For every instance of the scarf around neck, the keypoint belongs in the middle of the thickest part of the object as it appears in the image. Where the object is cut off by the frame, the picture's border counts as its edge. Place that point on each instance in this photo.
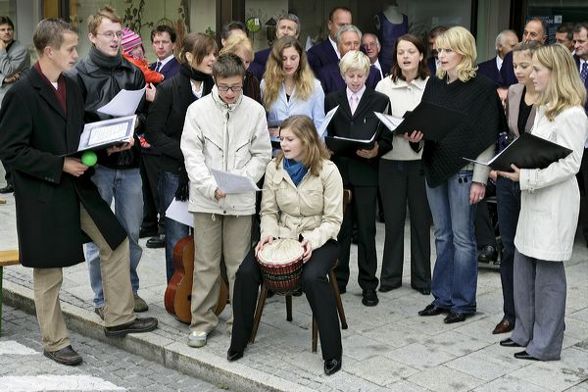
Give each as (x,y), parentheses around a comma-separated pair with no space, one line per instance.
(199,76)
(296,170)
(104,61)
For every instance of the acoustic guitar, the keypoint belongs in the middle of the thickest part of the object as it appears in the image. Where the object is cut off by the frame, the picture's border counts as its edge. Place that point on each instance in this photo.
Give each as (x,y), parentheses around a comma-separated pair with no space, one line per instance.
(178,294)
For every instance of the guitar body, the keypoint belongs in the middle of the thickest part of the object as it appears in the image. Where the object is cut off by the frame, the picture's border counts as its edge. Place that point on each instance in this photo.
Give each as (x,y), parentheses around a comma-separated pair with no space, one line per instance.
(180,286)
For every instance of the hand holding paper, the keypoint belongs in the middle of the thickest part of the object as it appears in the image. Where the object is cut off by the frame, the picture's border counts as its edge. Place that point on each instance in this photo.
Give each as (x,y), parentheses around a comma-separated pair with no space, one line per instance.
(230,183)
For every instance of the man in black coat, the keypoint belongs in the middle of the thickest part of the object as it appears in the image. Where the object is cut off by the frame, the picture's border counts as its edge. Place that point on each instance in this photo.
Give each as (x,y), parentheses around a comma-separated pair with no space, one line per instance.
(327,52)
(56,202)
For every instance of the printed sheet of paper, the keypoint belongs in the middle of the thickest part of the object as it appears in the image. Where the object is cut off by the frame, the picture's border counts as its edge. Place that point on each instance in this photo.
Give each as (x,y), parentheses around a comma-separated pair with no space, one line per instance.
(124,103)
(178,211)
(389,121)
(233,183)
(102,134)
(328,117)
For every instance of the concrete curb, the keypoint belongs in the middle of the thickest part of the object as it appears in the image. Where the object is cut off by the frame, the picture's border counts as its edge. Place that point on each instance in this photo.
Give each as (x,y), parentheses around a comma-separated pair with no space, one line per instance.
(169,353)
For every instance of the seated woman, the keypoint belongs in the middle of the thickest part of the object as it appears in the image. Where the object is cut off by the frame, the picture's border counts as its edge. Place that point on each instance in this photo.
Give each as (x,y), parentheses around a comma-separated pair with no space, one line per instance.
(240,46)
(550,205)
(302,198)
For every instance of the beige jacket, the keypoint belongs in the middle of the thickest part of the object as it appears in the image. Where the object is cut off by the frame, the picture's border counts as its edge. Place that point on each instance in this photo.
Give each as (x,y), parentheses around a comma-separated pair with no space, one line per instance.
(231,138)
(314,209)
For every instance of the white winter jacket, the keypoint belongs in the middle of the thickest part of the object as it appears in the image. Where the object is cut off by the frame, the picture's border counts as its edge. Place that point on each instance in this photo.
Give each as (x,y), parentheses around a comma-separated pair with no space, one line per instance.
(232,138)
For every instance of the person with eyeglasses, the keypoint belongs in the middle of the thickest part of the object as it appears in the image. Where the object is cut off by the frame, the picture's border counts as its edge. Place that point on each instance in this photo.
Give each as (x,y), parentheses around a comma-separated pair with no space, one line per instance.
(227,131)
(101,75)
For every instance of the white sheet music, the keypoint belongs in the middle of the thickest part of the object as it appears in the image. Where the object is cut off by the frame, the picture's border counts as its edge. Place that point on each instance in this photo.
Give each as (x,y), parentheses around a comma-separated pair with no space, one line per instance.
(105,134)
(124,103)
(233,183)
(389,121)
(178,211)
(328,117)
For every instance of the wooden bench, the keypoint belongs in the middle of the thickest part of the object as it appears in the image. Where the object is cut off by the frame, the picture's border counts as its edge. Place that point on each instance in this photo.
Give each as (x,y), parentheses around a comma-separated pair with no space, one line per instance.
(7,257)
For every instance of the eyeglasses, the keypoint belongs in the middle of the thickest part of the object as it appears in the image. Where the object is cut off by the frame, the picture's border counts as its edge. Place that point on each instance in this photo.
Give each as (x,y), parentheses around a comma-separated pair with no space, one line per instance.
(111,34)
(235,89)
(441,50)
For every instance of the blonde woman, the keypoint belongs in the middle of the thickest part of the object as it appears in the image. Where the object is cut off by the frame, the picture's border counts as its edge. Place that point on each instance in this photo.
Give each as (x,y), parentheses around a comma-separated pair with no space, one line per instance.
(289,86)
(240,46)
(550,204)
(453,187)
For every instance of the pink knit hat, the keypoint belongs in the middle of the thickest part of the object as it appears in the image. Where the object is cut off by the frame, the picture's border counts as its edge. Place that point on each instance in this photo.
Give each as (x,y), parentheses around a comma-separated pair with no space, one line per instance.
(130,40)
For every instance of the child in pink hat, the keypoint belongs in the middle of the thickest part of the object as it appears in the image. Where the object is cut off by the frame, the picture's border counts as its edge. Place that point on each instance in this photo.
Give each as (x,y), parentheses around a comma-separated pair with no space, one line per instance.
(133,51)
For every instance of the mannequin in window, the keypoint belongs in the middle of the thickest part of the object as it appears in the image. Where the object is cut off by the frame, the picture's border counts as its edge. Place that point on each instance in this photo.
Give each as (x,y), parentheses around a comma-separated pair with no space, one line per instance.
(390,24)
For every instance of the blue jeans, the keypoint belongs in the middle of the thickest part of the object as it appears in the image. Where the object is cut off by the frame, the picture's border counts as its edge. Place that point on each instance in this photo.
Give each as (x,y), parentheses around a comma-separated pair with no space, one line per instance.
(455,275)
(174,231)
(508,197)
(124,186)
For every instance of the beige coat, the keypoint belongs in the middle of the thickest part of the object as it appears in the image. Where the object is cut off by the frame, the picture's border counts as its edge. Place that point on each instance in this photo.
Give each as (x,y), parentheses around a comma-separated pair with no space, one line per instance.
(314,209)
(550,200)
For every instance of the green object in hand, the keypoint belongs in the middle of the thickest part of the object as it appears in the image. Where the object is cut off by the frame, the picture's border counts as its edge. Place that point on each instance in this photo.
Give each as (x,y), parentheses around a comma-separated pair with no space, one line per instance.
(89,158)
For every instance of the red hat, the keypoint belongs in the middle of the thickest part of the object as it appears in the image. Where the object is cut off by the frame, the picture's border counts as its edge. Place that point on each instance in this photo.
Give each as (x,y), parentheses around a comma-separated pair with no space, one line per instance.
(130,40)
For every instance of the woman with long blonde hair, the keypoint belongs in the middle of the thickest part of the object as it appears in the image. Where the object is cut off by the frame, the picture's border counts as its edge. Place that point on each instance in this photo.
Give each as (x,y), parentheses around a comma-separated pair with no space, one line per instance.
(550,205)
(289,87)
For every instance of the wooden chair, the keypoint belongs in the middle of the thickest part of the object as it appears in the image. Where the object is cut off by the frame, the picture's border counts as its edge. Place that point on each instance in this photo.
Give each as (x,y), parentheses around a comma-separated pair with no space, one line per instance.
(334,286)
(7,257)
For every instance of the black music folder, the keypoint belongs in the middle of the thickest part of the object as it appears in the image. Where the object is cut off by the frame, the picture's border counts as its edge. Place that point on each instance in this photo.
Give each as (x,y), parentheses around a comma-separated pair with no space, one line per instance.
(346,146)
(432,120)
(527,152)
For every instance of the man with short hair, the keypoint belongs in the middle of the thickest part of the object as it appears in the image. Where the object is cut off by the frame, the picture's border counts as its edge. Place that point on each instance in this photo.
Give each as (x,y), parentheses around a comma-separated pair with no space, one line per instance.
(535,30)
(225,131)
(505,42)
(232,27)
(327,52)
(348,38)
(101,75)
(432,61)
(371,46)
(565,35)
(287,25)
(14,58)
(56,203)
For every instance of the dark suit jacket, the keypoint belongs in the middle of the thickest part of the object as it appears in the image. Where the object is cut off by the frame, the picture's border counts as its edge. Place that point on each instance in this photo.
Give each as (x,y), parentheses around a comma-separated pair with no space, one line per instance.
(257,66)
(331,79)
(490,70)
(361,125)
(432,65)
(35,134)
(577,59)
(507,71)
(169,69)
(321,55)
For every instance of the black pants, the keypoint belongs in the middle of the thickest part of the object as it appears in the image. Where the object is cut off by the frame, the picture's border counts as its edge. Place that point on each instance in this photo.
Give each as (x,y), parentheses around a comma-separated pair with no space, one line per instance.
(8,175)
(316,286)
(403,182)
(150,176)
(582,177)
(363,209)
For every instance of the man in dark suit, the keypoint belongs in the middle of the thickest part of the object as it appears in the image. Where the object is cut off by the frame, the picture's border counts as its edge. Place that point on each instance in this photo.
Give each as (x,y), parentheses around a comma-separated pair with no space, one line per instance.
(432,37)
(535,30)
(288,25)
(355,119)
(565,35)
(348,38)
(581,57)
(163,40)
(56,202)
(327,51)
(505,42)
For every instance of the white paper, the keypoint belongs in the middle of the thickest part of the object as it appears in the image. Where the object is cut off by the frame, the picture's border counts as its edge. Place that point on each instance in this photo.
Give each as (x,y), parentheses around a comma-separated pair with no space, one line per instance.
(178,211)
(124,103)
(107,132)
(389,121)
(328,117)
(233,183)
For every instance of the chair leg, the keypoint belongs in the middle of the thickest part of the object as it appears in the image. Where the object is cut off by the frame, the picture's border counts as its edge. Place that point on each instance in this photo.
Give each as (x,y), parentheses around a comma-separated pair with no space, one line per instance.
(1,299)
(289,307)
(314,335)
(333,281)
(258,312)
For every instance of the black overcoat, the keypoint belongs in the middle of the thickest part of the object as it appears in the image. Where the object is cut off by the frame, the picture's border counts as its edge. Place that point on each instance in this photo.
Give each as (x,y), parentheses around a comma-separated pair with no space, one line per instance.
(35,134)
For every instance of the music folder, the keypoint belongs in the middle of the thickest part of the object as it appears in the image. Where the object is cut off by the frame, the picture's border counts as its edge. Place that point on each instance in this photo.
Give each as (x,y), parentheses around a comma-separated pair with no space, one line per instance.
(101,134)
(345,145)
(527,152)
(434,121)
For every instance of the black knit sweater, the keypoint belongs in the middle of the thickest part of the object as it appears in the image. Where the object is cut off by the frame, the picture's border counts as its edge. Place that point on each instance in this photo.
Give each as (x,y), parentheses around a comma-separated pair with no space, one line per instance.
(483,119)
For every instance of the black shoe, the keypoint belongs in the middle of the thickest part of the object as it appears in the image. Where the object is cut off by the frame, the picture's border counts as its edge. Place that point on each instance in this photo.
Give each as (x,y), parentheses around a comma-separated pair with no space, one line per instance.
(146,232)
(234,355)
(422,290)
(7,189)
(488,254)
(509,343)
(454,317)
(332,366)
(525,355)
(156,242)
(139,325)
(342,290)
(370,298)
(432,310)
(66,356)
(385,289)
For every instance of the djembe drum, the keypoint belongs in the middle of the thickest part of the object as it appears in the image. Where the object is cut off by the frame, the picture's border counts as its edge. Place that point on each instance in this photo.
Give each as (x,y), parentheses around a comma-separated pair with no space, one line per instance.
(281,265)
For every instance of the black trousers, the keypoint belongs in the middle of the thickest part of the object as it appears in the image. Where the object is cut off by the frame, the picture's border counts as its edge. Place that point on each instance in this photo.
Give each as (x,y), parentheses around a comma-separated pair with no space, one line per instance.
(363,209)
(8,175)
(315,285)
(582,178)
(402,183)
(483,224)
(150,171)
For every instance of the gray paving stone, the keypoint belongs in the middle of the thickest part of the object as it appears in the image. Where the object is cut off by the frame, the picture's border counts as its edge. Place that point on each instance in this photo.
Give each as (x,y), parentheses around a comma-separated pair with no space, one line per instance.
(381,370)
(419,356)
(444,379)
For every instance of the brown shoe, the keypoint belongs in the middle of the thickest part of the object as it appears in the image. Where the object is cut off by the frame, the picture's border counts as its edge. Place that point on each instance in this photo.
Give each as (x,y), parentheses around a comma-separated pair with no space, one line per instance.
(66,356)
(139,325)
(140,304)
(503,327)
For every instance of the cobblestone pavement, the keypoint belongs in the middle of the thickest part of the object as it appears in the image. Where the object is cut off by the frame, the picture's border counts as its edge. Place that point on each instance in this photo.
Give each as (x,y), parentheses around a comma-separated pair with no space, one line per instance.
(105,368)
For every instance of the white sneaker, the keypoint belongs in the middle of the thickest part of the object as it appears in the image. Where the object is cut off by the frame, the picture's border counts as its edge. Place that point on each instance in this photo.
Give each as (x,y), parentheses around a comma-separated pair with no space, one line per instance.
(197,339)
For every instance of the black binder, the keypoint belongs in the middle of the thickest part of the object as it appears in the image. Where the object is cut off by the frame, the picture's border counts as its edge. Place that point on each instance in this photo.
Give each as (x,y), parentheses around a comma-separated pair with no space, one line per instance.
(434,121)
(347,146)
(527,152)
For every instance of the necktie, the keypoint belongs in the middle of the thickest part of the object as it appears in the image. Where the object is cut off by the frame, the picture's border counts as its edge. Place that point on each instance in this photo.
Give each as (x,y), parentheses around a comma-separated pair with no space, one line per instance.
(158,66)
(584,72)
(353,104)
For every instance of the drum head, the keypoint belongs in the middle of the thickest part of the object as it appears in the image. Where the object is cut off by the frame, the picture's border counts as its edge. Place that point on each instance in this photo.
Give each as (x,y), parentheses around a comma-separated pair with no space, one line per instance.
(281,251)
